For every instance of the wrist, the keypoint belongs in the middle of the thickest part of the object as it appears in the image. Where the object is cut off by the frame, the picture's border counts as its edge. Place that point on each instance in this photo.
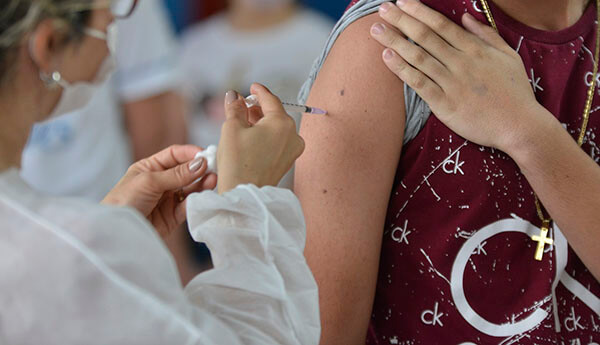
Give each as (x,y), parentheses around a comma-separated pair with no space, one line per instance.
(226,184)
(529,137)
(111,200)
(223,188)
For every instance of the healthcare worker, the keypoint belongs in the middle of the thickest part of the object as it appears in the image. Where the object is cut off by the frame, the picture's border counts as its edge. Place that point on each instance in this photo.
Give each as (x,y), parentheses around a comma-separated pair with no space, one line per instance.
(73,272)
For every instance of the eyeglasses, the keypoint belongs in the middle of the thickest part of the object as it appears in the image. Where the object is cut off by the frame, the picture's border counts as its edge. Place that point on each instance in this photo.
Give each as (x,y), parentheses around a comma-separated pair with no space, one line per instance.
(122,8)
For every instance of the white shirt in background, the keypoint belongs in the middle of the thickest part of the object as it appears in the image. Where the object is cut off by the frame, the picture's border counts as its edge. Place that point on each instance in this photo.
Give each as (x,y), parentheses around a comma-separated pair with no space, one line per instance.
(75,272)
(85,153)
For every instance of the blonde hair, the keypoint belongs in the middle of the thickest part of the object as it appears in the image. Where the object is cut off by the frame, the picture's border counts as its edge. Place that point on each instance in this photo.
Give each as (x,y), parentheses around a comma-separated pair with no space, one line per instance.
(19,17)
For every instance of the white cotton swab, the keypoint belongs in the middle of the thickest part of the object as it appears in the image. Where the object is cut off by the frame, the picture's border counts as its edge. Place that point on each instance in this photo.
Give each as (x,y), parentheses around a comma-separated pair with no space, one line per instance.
(210,154)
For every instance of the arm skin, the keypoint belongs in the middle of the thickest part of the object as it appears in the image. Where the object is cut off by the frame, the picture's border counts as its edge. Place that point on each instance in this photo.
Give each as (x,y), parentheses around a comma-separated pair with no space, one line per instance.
(567,182)
(345,177)
(155,123)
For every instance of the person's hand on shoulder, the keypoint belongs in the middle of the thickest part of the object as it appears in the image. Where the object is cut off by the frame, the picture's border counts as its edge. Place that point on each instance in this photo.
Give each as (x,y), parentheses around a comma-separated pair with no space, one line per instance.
(258,145)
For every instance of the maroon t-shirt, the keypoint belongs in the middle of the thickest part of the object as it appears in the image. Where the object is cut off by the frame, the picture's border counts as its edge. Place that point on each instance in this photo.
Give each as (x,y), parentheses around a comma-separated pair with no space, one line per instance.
(457,260)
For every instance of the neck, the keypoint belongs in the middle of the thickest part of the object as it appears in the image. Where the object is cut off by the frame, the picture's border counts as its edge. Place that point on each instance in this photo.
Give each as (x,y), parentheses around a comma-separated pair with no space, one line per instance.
(13,132)
(548,15)
(20,108)
(246,18)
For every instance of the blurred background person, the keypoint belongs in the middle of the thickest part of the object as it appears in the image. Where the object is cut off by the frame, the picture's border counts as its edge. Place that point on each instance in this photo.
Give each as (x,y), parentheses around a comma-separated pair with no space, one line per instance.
(186,12)
(274,41)
(135,114)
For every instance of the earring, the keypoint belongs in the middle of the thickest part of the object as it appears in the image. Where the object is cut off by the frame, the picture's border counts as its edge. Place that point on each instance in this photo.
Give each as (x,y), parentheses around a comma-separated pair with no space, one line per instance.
(51,81)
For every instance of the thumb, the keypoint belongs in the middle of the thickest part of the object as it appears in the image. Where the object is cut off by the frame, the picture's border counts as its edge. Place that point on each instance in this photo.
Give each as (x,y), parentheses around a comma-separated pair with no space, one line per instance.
(178,177)
(269,103)
(235,108)
(483,31)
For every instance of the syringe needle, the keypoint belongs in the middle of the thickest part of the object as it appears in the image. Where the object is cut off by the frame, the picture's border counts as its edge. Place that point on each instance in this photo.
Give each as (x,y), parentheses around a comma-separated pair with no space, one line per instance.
(252,101)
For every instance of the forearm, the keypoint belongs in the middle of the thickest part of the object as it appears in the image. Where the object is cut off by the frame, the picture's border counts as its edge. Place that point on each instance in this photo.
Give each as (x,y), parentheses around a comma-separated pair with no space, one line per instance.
(155,123)
(176,124)
(567,182)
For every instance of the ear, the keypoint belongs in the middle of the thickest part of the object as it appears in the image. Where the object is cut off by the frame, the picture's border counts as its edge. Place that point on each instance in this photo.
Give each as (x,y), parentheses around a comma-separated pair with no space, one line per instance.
(44,44)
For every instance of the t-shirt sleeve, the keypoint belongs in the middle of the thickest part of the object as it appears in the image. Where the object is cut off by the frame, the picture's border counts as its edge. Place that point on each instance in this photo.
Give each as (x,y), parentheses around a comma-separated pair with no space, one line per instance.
(146,53)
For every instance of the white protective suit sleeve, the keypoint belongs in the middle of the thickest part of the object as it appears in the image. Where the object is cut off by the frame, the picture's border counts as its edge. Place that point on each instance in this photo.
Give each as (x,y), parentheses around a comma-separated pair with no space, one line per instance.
(260,285)
(78,273)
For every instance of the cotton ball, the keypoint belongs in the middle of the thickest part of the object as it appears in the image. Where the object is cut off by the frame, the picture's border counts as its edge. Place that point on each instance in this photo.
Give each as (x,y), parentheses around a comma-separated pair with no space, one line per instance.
(210,154)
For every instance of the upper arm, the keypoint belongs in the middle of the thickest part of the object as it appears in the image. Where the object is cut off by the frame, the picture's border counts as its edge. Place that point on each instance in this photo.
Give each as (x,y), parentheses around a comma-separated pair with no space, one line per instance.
(345,176)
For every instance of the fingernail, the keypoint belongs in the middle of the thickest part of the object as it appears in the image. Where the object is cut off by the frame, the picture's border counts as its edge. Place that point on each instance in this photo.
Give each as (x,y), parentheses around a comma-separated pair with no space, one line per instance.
(377,29)
(385,7)
(230,96)
(196,164)
(388,54)
(400,3)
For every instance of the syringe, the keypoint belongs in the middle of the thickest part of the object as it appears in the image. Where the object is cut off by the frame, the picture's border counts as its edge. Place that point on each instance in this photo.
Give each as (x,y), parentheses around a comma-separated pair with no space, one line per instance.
(252,101)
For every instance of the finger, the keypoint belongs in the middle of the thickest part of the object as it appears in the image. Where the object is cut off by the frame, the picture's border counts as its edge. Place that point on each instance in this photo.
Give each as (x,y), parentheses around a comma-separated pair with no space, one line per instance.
(269,103)
(210,182)
(178,177)
(254,115)
(235,108)
(207,182)
(485,32)
(425,87)
(442,26)
(413,54)
(417,31)
(168,158)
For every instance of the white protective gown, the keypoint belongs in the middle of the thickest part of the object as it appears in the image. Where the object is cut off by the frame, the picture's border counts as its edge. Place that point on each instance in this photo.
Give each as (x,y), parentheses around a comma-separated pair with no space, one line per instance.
(73,272)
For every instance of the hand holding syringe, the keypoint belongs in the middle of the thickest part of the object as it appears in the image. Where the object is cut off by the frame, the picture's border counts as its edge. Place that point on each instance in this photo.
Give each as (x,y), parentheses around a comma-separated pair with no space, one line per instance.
(252,101)
(210,154)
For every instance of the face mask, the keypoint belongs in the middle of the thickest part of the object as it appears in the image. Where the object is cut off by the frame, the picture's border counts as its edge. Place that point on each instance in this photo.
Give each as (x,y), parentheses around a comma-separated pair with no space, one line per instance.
(78,95)
(267,4)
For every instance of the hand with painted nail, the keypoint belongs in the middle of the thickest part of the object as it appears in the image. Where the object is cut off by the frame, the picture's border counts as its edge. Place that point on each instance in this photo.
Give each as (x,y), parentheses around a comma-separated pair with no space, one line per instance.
(474,82)
(158,186)
(258,145)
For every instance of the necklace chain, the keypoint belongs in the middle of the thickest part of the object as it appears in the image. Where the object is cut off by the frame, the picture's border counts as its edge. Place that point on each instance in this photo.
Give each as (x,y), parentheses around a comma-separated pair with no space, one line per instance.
(590,92)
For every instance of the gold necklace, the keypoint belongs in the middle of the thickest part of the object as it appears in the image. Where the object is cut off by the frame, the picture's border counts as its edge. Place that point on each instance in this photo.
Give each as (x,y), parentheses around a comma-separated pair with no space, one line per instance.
(543,239)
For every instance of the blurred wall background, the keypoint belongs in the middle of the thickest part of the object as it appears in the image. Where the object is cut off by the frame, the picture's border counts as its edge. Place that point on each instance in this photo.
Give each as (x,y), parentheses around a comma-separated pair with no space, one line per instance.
(186,12)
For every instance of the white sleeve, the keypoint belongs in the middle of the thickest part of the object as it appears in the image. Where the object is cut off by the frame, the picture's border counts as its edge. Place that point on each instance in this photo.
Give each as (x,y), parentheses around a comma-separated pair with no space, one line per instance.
(146,53)
(103,276)
(261,285)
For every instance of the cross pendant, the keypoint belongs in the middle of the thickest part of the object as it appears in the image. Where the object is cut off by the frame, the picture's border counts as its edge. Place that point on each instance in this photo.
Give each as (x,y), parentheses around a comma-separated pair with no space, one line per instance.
(542,240)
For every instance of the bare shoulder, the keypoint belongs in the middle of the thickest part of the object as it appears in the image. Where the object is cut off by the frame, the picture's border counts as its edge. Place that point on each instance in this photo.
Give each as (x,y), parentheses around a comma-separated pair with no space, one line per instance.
(361,95)
(364,99)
